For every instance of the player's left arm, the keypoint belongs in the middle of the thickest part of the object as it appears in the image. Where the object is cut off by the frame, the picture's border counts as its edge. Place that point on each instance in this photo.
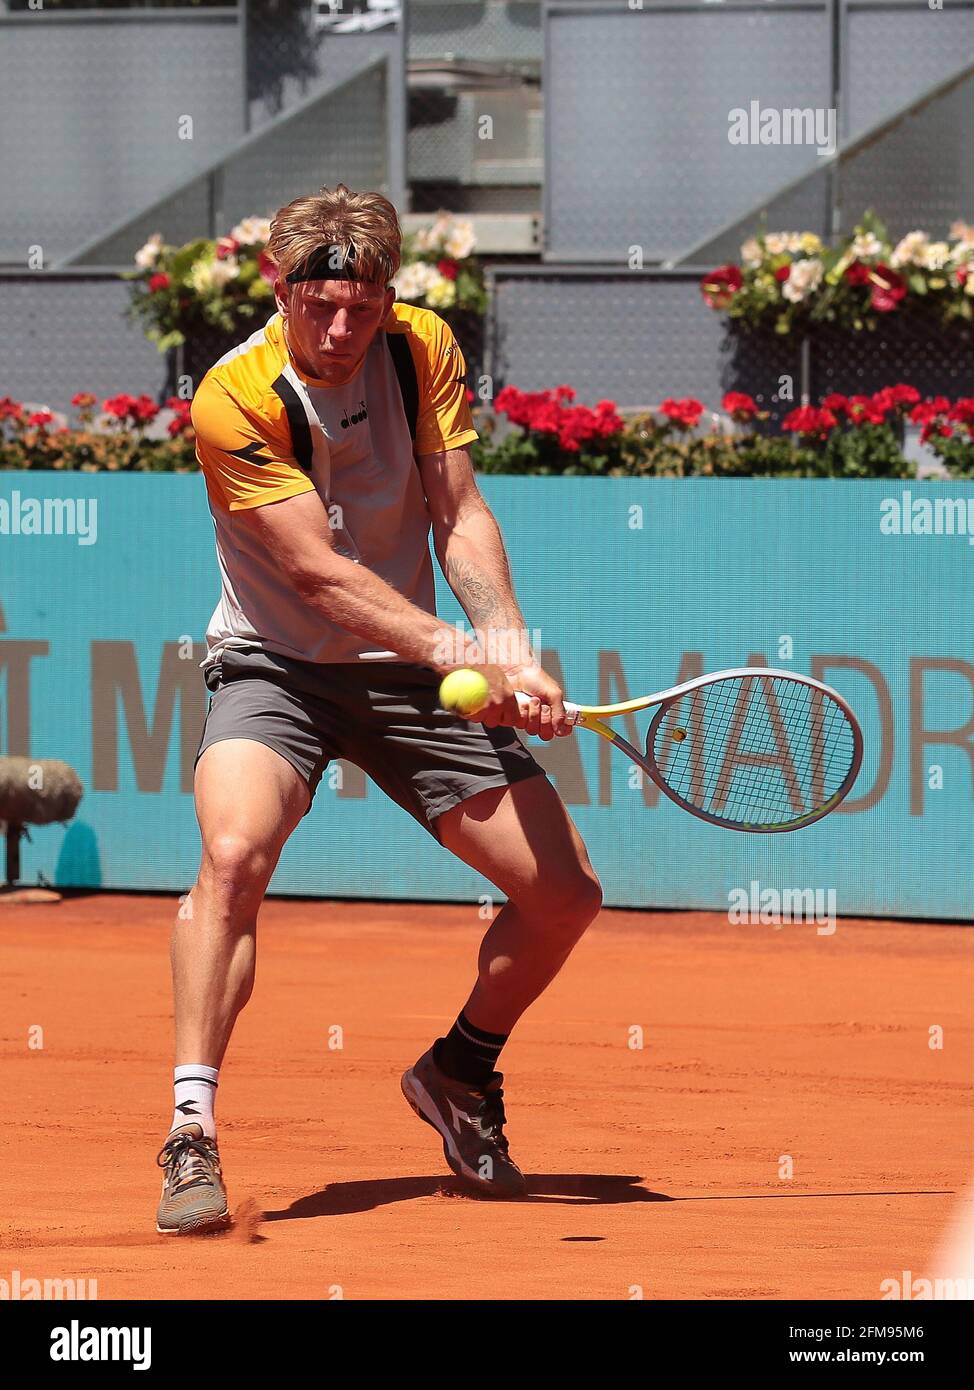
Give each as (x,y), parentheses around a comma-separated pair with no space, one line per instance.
(470,550)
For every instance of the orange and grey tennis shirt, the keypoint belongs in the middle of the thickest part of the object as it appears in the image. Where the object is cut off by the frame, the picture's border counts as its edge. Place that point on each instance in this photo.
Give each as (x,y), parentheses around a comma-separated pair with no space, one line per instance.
(265,431)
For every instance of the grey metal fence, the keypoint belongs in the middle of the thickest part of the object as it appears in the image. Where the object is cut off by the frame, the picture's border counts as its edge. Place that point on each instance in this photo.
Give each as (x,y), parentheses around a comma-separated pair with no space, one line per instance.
(66,331)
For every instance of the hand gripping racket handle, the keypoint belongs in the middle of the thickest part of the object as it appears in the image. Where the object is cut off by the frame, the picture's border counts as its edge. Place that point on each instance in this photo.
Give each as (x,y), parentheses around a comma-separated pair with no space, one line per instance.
(571,709)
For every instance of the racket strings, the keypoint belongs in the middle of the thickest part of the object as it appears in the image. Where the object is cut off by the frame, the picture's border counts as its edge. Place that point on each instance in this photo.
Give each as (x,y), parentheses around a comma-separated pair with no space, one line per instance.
(754,749)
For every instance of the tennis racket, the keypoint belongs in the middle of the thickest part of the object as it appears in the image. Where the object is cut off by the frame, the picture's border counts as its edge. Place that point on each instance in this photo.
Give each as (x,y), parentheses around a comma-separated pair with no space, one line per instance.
(750,749)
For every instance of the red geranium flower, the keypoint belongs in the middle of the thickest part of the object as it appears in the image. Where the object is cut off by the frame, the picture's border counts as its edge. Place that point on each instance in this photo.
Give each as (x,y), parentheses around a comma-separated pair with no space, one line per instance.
(809,419)
(720,286)
(159,281)
(10,409)
(903,394)
(145,408)
(962,410)
(40,418)
(864,410)
(836,403)
(267,267)
(926,411)
(139,409)
(447,268)
(888,289)
(685,413)
(544,411)
(226,246)
(962,274)
(782,273)
(84,400)
(739,406)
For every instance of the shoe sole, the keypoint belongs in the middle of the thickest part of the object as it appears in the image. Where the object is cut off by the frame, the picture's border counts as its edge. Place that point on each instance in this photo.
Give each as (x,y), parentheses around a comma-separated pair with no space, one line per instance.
(198,1226)
(423,1105)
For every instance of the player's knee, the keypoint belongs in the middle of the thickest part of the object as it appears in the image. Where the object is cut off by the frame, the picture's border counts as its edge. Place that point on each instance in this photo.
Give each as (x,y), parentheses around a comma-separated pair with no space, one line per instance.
(571,900)
(235,866)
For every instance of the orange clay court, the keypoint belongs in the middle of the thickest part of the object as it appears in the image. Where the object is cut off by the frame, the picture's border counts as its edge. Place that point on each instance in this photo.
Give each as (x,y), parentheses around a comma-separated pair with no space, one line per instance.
(656,1168)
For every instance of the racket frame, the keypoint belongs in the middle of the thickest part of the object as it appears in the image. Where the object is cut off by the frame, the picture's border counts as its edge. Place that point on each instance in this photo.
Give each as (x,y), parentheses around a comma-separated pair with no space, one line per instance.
(592,717)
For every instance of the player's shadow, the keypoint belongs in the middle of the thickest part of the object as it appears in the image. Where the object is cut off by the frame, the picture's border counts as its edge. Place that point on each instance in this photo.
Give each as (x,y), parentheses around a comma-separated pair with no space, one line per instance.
(346,1198)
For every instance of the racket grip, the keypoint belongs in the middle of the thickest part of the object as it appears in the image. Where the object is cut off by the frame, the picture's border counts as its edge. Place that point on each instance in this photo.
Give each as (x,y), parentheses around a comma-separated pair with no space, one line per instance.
(572,710)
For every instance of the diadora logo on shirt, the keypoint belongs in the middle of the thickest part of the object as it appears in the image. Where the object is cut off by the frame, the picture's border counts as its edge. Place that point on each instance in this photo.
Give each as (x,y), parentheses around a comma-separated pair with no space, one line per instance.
(361,414)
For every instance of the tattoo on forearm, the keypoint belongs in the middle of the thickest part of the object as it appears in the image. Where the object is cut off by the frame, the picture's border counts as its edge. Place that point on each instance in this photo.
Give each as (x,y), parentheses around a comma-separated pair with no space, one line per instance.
(475,590)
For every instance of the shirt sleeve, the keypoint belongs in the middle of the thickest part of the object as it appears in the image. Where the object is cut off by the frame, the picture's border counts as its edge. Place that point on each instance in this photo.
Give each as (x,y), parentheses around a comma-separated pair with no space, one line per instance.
(444,420)
(246,458)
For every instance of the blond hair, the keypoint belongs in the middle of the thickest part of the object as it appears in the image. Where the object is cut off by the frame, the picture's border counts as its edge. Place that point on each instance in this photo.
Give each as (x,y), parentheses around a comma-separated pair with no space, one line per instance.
(365,222)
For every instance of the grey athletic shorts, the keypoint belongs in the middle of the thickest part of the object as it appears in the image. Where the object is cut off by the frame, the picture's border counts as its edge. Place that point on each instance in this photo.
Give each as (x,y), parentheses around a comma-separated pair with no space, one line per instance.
(384,716)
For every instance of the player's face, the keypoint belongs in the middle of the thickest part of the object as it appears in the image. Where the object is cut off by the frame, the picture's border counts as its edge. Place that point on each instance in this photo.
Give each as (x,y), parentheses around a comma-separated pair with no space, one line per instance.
(330,323)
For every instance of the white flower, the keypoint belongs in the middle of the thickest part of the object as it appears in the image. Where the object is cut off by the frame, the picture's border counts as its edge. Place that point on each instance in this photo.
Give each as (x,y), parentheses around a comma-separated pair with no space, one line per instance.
(805,276)
(147,255)
(252,231)
(442,294)
(461,240)
(432,238)
(210,275)
(866,245)
(777,242)
(413,280)
(751,254)
(225,270)
(909,250)
(935,255)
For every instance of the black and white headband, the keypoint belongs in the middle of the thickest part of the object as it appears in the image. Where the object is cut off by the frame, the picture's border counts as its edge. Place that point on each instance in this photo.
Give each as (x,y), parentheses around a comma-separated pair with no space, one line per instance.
(330,262)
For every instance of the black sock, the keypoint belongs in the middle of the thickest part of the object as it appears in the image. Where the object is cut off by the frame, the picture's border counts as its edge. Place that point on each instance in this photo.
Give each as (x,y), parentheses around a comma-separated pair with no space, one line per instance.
(467,1053)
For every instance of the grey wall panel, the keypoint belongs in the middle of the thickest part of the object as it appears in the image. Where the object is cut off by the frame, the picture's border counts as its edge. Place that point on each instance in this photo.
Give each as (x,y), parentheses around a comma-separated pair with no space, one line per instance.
(919,172)
(65,333)
(634,339)
(282,75)
(480,30)
(893,52)
(89,109)
(341,136)
(804,207)
(636,122)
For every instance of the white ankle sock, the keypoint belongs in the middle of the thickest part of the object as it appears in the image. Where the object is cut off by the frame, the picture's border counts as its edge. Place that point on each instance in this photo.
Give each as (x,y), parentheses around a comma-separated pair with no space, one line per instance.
(194,1087)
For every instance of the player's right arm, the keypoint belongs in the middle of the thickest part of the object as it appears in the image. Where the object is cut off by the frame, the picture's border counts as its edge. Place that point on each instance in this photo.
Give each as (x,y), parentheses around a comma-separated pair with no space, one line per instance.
(250,470)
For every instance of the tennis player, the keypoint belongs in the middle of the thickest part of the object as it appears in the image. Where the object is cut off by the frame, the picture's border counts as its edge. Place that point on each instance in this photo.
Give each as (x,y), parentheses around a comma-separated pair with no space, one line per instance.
(325,644)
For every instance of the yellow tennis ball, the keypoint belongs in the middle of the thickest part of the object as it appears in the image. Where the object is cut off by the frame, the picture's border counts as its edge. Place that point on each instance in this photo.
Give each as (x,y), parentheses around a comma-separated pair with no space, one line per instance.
(678,735)
(464,691)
